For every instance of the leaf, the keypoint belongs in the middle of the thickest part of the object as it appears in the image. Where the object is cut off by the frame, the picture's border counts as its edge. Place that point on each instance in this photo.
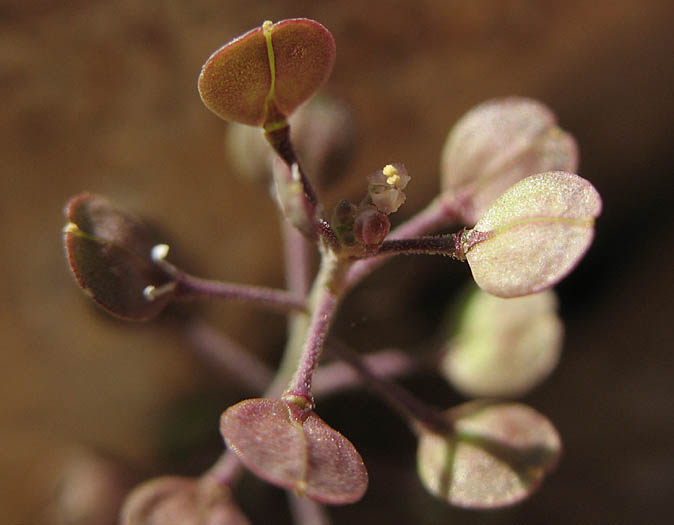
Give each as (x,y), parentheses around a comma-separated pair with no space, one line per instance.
(503,347)
(294,450)
(174,500)
(533,235)
(498,143)
(497,455)
(108,251)
(262,76)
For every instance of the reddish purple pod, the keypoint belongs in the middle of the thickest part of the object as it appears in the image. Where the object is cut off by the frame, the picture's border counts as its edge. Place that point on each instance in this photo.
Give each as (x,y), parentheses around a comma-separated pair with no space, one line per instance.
(295,449)
(261,77)
(174,500)
(109,253)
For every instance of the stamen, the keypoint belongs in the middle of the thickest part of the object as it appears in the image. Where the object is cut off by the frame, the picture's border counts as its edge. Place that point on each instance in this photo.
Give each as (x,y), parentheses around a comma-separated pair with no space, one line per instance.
(151,292)
(159,252)
(391,174)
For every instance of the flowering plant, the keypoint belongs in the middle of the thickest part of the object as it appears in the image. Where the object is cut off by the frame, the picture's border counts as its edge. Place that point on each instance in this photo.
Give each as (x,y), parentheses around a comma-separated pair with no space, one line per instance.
(524,220)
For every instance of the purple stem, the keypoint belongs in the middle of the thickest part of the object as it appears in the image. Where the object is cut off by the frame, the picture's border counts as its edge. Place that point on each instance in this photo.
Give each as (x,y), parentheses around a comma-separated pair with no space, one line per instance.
(188,286)
(279,139)
(436,215)
(306,511)
(415,411)
(228,356)
(338,376)
(328,380)
(226,470)
(448,245)
(319,325)
(296,252)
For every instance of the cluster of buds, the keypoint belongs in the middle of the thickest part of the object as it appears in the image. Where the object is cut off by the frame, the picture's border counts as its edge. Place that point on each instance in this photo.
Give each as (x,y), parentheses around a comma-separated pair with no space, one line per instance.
(367,225)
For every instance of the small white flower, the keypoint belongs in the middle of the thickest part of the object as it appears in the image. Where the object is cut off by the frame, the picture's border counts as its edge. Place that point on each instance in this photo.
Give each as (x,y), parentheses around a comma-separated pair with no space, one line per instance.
(385,187)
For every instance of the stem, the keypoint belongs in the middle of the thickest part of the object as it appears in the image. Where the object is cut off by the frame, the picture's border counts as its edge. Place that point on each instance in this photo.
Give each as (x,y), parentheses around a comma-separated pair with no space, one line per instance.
(226,470)
(279,139)
(298,325)
(318,330)
(413,409)
(227,355)
(306,511)
(296,252)
(325,298)
(189,286)
(438,214)
(339,376)
(185,285)
(448,245)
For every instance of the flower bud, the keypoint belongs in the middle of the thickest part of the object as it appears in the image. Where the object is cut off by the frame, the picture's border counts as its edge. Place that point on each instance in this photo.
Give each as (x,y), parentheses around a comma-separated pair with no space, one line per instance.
(371,227)
(343,218)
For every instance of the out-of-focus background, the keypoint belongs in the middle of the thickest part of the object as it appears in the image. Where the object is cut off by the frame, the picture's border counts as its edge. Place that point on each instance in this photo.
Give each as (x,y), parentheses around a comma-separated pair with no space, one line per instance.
(101,96)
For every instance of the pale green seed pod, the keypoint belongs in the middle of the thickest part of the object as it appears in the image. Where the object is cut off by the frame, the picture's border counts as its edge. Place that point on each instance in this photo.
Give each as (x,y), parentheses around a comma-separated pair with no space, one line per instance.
(533,235)
(502,348)
(495,145)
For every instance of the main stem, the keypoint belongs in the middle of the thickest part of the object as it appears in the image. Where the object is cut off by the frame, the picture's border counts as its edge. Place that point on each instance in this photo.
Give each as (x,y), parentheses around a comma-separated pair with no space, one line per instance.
(279,139)
(325,297)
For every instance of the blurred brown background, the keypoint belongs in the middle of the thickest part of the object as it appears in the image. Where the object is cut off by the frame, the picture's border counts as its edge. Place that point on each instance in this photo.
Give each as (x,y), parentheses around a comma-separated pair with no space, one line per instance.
(101,96)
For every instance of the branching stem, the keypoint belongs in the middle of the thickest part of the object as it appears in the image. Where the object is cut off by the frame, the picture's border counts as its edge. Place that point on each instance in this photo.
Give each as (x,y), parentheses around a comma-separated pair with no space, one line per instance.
(279,139)
(339,376)
(413,409)
(226,470)
(296,256)
(186,286)
(189,286)
(448,245)
(438,214)
(227,355)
